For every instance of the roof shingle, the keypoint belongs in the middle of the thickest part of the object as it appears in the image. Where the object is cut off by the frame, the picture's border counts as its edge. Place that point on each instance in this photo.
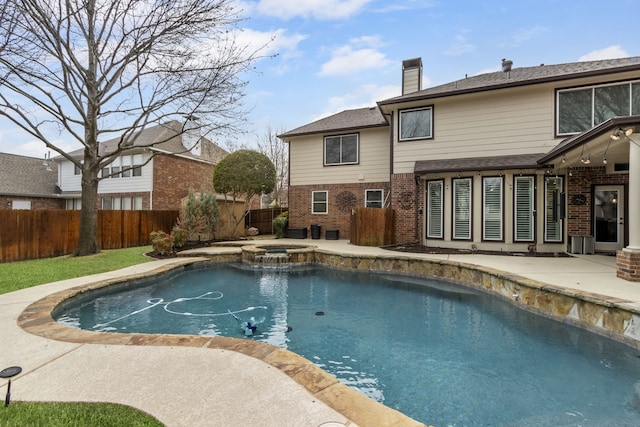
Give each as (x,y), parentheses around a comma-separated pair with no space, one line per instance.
(27,176)
(522,76)
(345,120)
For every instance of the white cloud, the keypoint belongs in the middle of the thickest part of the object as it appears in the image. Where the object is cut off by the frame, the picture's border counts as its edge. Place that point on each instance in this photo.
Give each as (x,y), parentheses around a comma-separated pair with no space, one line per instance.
(318,9)
(460,45)
(348,61)
(360,54)
(607,53)
(405,5)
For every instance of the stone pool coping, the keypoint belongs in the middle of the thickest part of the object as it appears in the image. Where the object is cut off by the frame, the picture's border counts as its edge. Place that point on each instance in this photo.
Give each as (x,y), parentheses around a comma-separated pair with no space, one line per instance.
(359,409)
(614,317)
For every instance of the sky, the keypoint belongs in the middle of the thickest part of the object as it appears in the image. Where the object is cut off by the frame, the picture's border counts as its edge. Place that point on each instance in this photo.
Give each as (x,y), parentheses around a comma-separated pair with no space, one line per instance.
(332,55)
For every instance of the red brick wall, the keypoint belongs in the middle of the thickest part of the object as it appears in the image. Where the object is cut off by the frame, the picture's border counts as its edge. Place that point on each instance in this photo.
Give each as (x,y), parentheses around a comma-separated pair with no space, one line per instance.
(36,202)
(408,221)
(581,182)
(339,216)
(628,265)
(174,176)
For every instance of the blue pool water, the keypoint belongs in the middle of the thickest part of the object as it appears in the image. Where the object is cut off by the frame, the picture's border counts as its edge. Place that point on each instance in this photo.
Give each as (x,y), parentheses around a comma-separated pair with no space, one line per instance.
(441,353)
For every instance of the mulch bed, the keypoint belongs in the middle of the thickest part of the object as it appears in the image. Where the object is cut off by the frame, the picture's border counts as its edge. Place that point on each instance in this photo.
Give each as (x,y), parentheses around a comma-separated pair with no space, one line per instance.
(420,249)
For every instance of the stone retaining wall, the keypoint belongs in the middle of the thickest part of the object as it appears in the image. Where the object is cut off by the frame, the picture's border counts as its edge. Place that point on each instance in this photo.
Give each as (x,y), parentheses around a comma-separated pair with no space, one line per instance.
(615,318)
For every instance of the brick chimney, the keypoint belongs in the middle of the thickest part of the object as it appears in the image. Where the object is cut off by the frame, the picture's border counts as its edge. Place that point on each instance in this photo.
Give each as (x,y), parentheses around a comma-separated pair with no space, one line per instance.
(411,75)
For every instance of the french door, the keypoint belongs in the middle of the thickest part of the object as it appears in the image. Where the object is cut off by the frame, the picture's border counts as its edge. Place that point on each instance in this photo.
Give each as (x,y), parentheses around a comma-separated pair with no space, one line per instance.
(608,217)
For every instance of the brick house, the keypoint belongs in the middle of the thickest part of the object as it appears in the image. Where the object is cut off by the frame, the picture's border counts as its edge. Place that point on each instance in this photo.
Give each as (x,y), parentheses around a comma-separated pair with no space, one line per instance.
(543,158)
(156,172)
(29,183)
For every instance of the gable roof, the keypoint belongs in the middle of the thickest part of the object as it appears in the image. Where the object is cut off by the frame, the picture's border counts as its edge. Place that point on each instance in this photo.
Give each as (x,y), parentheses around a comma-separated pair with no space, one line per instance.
(521,77)
(27,176)
(171,134)
(360,118)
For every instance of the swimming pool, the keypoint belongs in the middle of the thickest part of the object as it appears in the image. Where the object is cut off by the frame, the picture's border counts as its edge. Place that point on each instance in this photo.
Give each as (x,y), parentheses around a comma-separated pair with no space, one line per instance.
(438,352)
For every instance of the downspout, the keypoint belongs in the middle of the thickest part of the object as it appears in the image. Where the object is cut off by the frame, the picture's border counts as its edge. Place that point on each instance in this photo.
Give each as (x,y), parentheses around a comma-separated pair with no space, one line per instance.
(390,115)
(417,204)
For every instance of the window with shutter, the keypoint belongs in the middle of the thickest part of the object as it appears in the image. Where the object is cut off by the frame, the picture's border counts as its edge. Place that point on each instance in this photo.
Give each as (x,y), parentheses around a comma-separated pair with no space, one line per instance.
(434,209)
(462,208)
(524,205)
(492,208)
(553,208)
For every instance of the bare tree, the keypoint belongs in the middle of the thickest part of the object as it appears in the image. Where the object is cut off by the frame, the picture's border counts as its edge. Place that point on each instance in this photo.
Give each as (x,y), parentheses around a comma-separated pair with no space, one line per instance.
(278,152)
(93,70)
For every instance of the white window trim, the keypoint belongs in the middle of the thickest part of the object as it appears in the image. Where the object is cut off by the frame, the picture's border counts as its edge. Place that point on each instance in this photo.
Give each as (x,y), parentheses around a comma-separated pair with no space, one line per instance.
(547,202)
(469,222)
(313,202)
(366,196)
(485,215)
(438,210)
(532,203)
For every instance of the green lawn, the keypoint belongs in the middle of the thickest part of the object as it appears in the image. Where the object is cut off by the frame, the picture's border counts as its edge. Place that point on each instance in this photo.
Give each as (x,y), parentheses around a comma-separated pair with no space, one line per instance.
(24,274)
(53,414)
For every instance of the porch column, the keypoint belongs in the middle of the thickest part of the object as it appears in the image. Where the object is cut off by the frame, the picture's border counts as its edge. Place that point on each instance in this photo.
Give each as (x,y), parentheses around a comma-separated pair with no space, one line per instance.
(628,259)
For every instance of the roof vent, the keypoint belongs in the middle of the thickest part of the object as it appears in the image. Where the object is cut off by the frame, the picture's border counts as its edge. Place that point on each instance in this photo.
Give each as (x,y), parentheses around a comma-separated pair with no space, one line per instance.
(506,65)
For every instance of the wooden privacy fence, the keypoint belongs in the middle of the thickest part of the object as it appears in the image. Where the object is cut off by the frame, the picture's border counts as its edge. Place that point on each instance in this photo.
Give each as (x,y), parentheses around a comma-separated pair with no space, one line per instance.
(32,234)
(371,227)
(262,219)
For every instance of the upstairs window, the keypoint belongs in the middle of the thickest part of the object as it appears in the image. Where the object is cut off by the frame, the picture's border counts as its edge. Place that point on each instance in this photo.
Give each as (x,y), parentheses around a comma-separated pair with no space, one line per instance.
(581,109)
(341,150)
(416,124)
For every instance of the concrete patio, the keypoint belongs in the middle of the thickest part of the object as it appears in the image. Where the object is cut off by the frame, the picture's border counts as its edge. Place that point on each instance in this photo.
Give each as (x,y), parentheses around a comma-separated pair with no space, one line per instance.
(197,381)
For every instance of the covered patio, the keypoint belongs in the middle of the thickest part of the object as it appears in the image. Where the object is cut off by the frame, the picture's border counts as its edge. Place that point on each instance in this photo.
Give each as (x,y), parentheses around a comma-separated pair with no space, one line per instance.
(602,168)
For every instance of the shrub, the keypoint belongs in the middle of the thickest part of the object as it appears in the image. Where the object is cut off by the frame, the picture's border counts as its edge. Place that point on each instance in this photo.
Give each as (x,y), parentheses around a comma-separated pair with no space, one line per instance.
(162,242)
(198,216)
(280,224)
(180,236)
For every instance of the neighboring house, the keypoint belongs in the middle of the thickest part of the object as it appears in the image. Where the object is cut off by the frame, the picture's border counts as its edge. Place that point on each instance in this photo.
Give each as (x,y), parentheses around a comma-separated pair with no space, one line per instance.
(29,183)
(155,172)
(524,159)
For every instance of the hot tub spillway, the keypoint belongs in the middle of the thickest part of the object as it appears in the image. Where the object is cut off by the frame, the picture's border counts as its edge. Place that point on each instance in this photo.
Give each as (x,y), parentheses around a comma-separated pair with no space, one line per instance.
(273,258)
(277,255)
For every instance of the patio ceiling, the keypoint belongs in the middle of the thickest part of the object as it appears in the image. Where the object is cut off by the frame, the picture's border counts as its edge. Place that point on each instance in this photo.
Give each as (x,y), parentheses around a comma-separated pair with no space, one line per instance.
(595,145)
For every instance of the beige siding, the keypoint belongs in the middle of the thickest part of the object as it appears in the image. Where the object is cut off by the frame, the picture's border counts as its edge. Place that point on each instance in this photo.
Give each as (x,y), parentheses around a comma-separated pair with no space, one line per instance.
(494,123)
(411,80)
(307,166)
(490,124)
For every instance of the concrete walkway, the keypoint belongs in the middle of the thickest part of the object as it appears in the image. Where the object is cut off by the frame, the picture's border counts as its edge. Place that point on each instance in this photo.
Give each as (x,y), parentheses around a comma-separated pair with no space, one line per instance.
(200,385)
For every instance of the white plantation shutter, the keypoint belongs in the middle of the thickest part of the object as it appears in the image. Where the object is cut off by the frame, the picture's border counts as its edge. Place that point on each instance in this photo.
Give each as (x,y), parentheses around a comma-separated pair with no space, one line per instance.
(492,208)
(434,209)
(523,207)
(552,220)
(462,208)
